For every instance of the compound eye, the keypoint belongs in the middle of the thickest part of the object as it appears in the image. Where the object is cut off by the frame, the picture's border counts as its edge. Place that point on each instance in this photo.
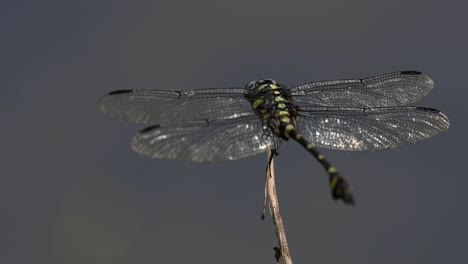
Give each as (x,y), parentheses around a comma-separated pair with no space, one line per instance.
(252,84)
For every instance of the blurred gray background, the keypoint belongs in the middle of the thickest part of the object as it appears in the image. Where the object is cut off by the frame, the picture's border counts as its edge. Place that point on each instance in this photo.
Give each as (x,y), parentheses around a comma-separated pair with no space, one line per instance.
(72,190)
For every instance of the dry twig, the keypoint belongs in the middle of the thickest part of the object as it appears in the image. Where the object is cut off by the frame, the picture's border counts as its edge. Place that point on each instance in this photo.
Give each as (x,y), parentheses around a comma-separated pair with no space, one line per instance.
(282,251)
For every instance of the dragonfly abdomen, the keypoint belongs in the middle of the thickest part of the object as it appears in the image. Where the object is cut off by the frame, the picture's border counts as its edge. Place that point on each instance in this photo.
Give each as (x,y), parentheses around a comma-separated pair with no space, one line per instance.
(339,187)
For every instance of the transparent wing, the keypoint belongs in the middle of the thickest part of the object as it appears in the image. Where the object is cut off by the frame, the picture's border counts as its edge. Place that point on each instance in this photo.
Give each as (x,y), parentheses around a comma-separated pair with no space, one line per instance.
(391,89)
(206,141)
(369,129)
(162,107)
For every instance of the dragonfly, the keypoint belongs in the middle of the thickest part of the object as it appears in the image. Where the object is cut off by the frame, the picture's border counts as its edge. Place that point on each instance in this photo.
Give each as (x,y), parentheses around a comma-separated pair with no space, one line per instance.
(221,124)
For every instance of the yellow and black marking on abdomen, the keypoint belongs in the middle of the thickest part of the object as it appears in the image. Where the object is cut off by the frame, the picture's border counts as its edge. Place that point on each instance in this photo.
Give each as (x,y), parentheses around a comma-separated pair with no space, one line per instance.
(272,102)
(339,187)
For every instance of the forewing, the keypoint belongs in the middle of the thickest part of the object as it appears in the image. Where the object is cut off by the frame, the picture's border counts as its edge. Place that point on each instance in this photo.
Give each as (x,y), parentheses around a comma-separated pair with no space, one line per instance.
(369,129)
(164,107)
(205,141)
(391,89)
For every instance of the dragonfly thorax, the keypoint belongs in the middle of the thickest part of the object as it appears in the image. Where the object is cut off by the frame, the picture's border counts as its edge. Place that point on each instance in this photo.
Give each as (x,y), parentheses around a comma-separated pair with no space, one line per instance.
(272,103)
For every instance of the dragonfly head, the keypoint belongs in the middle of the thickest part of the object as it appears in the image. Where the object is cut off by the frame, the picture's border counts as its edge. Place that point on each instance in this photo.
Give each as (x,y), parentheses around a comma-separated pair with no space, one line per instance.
(253,85)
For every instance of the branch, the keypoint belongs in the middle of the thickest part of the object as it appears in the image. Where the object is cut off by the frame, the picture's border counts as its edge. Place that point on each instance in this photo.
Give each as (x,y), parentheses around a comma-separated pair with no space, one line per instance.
(281,252)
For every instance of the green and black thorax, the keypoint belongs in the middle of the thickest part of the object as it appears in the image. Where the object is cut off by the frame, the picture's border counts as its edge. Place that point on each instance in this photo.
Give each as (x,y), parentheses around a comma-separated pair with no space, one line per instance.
(272,102)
